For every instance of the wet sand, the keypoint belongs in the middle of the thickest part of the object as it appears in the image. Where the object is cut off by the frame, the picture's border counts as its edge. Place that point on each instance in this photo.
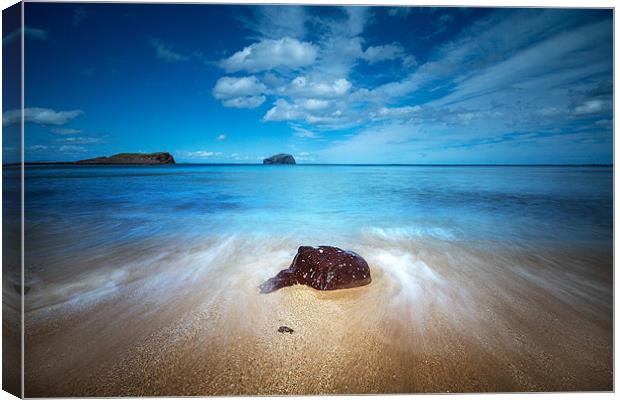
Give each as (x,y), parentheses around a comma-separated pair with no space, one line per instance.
(438,317)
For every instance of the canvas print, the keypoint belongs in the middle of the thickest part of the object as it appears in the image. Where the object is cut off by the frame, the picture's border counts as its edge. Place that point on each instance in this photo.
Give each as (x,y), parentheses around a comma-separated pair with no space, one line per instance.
(301,200)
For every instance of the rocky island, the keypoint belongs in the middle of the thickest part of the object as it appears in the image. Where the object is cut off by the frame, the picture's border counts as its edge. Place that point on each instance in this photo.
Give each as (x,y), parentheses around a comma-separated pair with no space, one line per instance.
(280,159)
(131,159)
(117,159)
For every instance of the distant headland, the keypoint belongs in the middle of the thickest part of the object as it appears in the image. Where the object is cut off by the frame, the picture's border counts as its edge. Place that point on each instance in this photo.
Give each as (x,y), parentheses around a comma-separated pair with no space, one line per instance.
(132,158)
(118,159)
(280,159)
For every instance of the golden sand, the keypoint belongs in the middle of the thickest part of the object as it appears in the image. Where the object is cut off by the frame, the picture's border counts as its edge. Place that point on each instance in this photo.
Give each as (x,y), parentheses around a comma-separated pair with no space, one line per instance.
(456,322)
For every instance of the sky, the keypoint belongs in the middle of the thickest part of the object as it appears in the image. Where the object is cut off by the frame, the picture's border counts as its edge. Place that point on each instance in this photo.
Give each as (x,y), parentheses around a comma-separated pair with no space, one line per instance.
(410,85)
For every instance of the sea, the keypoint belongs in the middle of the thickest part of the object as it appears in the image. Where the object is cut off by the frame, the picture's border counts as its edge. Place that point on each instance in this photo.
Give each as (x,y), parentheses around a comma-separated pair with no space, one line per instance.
(443,243)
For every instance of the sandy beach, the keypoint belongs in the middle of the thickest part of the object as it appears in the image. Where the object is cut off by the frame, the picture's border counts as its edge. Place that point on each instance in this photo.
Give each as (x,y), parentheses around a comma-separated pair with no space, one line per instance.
(437,317)
(483,280)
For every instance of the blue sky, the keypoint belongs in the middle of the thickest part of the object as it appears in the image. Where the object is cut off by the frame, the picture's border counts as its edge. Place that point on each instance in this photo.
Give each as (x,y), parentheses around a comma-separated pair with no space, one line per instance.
(213,83)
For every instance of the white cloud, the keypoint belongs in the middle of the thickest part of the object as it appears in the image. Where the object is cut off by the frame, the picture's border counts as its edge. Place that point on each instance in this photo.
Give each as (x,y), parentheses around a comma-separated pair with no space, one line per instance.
(275,22)
(589,107)
(399,12)
(221,137)
(166,52)
(283,111)
(394,90)
(201,154)
(244,92)
(239,157)
(385,143)
(536,78)
(304,156)
(385,112)
(605,123)
(313,104)
(29,32)
(321,94)
(229,87)
(307,94)
(545,64)
(35,33)
(406,143)
(269,54)
(81,140)
(41,116)
(338,55)
(388,52)
(72,149)
(66,131)
(303,86)
(37,147)
(548,112)
(244,102)
(490,78)
(357,19)
(304,133)
(466,117)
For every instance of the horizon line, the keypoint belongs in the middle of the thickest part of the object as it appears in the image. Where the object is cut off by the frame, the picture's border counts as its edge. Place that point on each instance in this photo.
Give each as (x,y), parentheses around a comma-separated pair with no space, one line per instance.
(70,163)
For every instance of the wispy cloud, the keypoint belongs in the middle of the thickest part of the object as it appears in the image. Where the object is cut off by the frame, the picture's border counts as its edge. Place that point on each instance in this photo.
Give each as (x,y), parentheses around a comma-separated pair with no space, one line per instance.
(221,137)
(304,133)
(66,131)
(589,107)
(304,156)
(200,154)
(536,84)
(29,32)
(166,52)
(71,149)
(399,12)
(276,22)
(388,52)
(81,140)
(41,116)
(79,15)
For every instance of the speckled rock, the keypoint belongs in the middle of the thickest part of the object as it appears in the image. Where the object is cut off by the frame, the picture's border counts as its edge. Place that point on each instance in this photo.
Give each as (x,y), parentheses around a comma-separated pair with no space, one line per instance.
(322,268)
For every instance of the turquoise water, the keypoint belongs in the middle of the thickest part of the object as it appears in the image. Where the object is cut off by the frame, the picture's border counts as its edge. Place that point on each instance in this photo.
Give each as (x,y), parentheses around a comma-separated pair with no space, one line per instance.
(91,227)
(525,205)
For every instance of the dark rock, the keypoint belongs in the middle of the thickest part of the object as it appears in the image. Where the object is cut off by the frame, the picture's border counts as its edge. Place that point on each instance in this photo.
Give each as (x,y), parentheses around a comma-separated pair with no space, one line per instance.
(280,159)
(131,158)
(322,268)
(285,329)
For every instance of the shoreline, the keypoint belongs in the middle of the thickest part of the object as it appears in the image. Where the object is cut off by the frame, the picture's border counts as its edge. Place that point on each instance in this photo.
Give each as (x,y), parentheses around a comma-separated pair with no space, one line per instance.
(206,330)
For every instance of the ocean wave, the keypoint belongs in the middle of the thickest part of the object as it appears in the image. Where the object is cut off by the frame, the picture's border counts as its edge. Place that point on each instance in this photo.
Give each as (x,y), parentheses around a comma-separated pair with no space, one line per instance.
(407,233)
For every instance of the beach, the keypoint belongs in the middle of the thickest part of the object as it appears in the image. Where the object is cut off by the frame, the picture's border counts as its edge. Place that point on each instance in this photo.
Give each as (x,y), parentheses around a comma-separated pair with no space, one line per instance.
(479,283)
